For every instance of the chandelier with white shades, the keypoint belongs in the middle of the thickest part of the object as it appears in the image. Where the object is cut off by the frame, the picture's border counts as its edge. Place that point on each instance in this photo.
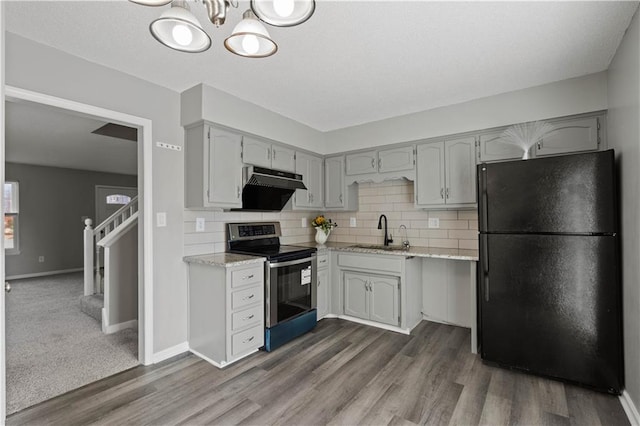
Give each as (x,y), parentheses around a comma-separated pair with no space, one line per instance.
(179,29)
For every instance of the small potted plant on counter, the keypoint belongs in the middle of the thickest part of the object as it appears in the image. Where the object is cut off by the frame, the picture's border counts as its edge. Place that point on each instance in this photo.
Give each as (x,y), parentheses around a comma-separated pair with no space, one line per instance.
(323,228)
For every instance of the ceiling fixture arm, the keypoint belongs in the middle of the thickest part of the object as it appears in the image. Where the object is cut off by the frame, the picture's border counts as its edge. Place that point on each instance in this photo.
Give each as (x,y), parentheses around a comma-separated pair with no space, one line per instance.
(217,11)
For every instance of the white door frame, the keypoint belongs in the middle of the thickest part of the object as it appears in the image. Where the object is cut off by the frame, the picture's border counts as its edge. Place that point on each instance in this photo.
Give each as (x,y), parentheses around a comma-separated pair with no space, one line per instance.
(145,191)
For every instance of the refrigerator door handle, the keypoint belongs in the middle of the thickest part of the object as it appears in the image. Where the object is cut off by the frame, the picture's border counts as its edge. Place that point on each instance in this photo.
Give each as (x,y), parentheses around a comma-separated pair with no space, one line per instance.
(485,265)
(482,182)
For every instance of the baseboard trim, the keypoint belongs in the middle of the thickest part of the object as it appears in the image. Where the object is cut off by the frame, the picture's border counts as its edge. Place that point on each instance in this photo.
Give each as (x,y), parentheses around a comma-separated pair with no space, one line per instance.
(43,274)
(329,316)
(630,408)
(221,365)
(121,326)
(170,352)
(375,324)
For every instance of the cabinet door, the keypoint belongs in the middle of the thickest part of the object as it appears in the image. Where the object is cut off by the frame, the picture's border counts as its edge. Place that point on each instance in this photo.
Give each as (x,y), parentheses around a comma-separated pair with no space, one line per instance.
(362,162)
(225,168)
(356,295)
(316,182)
(579,134)
(429,186)
(460,169)
(384,299)
(283,158)
(392,160)
(323,292)
(256,152)
(493,148)
(303,166)
(334,182)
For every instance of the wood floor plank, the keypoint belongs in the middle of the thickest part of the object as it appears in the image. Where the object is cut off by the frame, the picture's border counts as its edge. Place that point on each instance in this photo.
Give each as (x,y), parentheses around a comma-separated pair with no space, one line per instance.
(340,374)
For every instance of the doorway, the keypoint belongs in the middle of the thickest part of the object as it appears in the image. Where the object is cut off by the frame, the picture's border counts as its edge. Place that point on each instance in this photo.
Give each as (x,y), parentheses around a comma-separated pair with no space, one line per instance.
(144,342)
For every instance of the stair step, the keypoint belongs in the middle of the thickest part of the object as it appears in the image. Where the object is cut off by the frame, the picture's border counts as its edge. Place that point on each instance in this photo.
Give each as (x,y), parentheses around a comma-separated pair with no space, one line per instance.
(92,305)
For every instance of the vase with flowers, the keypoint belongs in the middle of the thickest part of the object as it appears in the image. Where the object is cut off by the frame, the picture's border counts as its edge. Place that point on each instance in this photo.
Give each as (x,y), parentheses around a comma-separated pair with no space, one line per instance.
(323,228)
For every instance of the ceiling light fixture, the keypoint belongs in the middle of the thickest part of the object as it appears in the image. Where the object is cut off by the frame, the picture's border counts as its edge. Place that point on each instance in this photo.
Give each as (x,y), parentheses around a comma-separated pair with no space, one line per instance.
(283,13)
(250,38)
(179,29)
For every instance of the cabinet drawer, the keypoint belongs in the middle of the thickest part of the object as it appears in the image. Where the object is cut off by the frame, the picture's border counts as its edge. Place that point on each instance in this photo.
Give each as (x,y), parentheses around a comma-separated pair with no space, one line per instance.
(247,340)
(323,261)
(246,297)
(253,275)
(247,317)
(373,262)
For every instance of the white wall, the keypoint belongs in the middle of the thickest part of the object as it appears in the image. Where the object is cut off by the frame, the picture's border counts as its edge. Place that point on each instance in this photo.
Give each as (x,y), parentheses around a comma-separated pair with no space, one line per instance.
(39,68)
(567,97)
(624,136)
(203,102)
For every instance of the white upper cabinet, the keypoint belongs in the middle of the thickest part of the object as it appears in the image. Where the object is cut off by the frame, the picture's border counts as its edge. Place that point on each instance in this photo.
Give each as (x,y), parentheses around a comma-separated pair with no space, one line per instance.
(446,174)
(580,134)
(494,148)
(380,161)
(338,195)
(264,154)
(362,163)
(311,168)
(396,159)
(213,168)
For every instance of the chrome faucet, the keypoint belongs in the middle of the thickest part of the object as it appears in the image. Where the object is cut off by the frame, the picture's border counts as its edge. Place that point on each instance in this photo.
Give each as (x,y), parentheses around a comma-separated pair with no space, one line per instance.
(387,238)
(405,242)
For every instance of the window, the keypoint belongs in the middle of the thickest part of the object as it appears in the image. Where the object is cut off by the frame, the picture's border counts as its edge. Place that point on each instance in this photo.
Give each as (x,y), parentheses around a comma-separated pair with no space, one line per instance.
(11,209)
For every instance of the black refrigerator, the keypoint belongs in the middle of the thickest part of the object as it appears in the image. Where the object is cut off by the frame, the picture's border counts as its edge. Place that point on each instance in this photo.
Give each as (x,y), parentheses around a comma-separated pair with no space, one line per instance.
(550,299)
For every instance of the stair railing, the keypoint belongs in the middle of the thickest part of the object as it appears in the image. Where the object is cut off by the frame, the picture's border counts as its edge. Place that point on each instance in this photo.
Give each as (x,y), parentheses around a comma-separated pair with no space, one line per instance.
(93,283)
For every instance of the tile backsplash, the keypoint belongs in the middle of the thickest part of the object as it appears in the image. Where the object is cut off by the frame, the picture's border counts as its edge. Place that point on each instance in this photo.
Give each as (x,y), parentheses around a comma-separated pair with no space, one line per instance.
(458,228)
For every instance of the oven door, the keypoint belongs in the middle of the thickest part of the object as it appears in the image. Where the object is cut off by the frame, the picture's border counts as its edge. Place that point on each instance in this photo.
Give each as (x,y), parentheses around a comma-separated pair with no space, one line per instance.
(290,289)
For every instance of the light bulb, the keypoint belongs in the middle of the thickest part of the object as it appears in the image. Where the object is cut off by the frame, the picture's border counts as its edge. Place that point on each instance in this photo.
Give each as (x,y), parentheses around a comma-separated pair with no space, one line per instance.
(250,44)
(283,8)
(182,35)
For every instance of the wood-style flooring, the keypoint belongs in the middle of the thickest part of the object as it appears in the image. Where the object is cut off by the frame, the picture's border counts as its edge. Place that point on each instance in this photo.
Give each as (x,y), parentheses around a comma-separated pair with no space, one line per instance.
(341,373)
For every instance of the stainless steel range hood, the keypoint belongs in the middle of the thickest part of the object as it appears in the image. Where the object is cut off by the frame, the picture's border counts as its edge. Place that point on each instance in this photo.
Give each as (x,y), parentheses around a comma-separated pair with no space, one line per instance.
(267,189)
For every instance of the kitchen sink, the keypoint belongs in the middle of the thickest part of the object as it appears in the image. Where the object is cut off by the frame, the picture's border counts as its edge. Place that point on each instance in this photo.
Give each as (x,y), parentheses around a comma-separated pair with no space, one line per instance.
(378,247)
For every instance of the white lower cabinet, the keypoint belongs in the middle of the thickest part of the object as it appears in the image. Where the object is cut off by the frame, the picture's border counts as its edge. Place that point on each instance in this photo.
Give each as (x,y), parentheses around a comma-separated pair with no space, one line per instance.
(384,289)
(324,284)
(226,311)
(372,297)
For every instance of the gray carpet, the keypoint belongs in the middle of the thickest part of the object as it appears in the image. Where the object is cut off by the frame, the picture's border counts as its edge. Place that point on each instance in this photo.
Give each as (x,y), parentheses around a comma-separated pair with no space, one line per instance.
(52,347)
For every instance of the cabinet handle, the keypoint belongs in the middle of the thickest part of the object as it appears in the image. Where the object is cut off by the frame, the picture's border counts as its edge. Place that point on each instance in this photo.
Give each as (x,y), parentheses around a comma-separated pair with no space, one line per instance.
(447,193)
(379,163)
(373,163)
(248,277)
(274,153)
(540,143)
(249,297)
(323,261)
(318,283)
(312,198)
(238,191)
(249,339)
(340,198)
(442,193)
(248,318)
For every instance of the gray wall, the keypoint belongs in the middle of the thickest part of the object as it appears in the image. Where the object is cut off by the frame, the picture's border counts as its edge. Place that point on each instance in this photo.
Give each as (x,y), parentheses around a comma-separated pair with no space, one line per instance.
(624,136)
(36,67)
(52,202)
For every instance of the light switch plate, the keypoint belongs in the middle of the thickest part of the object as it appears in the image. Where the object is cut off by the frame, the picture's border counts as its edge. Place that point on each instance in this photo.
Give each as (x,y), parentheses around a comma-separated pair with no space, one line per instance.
(199,224)
(303,222)
(161,219)
(434,222)
(352,222)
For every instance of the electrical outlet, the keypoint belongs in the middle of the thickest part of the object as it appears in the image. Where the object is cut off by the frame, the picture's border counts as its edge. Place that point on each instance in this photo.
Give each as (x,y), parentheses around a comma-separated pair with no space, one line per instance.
(199,224)
(303,222)
(161,219)
(352,222)
(434,222)
(41,259)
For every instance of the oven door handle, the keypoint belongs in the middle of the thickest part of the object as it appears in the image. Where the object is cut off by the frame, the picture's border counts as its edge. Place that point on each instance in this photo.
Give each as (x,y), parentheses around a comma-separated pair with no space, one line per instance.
(289,263)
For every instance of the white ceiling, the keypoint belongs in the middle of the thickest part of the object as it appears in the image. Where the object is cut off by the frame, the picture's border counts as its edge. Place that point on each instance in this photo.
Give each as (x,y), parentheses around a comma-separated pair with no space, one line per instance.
(353,62)
(45,136)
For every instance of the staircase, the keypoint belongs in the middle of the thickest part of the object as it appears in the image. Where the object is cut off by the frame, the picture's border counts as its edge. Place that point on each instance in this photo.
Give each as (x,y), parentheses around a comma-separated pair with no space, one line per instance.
(96,277)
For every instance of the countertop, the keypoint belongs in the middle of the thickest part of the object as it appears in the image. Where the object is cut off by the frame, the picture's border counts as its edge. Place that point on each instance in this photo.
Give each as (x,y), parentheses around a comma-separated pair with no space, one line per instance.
(417,251)
(223,259)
